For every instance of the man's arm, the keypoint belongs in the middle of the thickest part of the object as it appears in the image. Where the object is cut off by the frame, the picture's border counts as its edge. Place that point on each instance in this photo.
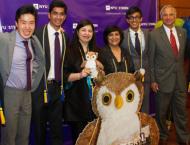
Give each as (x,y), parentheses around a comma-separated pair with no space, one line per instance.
(152,47)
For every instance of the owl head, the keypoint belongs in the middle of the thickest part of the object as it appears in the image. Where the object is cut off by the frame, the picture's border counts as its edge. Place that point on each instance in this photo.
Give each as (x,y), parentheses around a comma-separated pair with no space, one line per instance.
(118,93)
(91,55)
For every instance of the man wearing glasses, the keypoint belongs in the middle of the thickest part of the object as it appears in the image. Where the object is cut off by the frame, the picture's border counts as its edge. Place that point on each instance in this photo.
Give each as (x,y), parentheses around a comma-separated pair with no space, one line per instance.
(136,44)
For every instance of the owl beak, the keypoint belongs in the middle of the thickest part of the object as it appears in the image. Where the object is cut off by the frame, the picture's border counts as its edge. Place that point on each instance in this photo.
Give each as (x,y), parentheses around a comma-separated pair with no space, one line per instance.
(118,102)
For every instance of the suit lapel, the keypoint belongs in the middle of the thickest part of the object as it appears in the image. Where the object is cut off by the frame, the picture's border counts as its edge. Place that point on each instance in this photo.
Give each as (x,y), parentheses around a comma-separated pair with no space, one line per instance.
(181,39)
(166,40)
(47,50)
(145,33)
(130,44)
(11,46)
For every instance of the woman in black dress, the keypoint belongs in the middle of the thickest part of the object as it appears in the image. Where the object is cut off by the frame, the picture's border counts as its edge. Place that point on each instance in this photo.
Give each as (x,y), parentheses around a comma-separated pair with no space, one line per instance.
(112,56)
(77,103)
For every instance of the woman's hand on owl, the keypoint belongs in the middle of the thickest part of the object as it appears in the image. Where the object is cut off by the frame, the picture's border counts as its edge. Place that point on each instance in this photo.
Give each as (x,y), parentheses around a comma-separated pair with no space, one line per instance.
(99,65)
(85,72)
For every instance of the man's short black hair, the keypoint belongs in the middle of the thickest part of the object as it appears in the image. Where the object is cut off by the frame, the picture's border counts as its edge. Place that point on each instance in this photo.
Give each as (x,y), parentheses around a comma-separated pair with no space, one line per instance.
(132,10)
(26,9)
(57,3)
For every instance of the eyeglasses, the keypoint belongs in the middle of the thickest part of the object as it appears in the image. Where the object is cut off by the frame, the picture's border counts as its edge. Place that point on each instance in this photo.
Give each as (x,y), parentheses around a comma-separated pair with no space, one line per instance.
(131,18)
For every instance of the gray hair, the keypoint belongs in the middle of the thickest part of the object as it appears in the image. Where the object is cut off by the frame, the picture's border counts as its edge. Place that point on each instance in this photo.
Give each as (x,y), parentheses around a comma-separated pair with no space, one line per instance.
(167,6)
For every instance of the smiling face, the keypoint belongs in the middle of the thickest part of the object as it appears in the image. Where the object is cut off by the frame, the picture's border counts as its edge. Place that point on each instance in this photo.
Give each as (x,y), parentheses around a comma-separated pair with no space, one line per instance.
(26,25)
(85,34)
(168,16)
(57,17)
(134,21)
(114,38)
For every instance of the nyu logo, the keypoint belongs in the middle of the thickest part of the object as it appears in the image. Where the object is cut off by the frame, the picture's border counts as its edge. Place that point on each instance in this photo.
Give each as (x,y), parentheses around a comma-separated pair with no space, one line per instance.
(38,6)
(75,25)
(109,8)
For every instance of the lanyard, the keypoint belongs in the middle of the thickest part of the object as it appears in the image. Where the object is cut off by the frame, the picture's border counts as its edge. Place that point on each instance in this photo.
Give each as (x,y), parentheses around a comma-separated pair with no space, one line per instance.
(45,73)
(115,66)
(129,47)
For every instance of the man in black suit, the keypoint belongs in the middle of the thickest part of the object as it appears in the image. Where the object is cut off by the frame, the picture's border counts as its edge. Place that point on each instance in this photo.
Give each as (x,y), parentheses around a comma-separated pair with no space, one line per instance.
(47,99)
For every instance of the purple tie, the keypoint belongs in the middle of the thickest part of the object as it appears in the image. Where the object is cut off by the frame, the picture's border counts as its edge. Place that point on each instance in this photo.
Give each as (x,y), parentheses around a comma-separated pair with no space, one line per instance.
(28,65)
(137,44)
(57,62)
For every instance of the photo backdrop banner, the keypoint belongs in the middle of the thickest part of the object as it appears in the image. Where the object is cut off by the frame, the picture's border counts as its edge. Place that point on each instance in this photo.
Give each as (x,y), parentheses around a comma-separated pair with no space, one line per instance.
(100,12)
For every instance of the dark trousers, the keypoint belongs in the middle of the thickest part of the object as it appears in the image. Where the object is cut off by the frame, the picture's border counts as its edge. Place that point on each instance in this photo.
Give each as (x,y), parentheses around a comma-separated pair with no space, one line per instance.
(177,101)
(51,113)
(76,128)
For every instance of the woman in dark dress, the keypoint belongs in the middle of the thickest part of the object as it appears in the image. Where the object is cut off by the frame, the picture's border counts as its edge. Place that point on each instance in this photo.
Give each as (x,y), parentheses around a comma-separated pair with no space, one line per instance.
(77,103)
(112,56)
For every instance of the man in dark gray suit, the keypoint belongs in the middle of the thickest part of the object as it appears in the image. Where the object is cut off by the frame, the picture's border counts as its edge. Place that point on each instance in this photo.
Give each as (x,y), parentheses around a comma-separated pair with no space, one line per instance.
(138,51)
(167,47)
(21,66)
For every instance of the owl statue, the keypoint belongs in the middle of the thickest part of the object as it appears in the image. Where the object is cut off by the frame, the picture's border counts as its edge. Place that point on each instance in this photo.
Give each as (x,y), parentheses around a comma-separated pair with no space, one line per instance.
(91,63)
(116,101)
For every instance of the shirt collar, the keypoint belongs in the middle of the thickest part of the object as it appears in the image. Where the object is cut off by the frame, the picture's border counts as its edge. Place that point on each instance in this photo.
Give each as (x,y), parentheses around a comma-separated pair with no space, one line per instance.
(51,30)
(168,29)
(133,32)
(19,38)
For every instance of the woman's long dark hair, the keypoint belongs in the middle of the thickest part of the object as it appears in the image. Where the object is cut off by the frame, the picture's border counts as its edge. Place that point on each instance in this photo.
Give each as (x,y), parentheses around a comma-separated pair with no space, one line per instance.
(75,41)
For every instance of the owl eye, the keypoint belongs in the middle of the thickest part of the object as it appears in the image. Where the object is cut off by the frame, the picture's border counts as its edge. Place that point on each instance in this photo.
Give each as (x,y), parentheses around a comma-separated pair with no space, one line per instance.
(87,56)
(130,96)
(93,56)
(106,98)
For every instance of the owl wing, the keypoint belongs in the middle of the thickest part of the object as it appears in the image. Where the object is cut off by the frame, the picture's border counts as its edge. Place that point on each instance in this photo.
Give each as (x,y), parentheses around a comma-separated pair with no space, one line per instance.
(154,131)
(89,134)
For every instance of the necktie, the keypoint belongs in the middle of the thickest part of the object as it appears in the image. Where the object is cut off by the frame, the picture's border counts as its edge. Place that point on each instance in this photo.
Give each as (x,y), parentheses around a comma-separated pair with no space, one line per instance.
(57,62)
(137,44)
(28,65)
(173,43)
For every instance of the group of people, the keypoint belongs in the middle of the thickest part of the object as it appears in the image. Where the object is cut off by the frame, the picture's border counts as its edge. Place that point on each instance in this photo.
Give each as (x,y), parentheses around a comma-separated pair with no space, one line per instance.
(44,78)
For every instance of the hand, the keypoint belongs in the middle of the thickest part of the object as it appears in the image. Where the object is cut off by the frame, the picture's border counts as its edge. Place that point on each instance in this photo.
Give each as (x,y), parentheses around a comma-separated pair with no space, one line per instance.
(99,65)
(85,72)
(83,64)
(154,87)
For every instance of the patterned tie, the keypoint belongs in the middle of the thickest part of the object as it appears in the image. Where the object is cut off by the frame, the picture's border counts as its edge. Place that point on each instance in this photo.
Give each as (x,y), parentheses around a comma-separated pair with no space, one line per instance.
(173,43)
(28,65)
(137,44)
(57,62)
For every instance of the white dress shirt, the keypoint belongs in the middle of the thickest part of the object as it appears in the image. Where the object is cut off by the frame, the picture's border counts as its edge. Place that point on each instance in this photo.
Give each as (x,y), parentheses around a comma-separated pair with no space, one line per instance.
(51,36)
(167,30)
(141,38)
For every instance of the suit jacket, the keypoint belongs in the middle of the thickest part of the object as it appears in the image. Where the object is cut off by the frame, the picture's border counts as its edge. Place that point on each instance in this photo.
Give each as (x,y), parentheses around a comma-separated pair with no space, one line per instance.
(1,92)
(7,44)
(166,69)
(42,35)
(128,46)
